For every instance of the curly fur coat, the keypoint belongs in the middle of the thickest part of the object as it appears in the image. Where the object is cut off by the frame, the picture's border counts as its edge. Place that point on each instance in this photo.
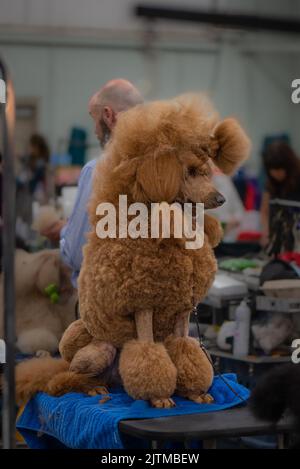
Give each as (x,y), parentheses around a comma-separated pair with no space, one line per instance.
(136,295)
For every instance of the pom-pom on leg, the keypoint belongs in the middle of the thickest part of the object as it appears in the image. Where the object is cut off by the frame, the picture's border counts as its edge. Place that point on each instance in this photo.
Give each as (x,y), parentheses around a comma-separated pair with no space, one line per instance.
(94,358)
(147,372)
(75,337)
(194,371)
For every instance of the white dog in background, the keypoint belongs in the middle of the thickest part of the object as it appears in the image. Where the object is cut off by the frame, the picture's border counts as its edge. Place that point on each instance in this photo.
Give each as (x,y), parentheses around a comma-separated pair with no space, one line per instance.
(45,301)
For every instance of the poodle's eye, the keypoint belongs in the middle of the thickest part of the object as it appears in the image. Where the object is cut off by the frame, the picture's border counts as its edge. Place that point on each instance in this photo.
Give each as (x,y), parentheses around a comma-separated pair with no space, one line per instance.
(192,171)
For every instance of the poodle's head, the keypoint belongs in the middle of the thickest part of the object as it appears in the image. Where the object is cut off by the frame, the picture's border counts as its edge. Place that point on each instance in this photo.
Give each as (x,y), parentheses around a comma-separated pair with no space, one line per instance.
(164,151)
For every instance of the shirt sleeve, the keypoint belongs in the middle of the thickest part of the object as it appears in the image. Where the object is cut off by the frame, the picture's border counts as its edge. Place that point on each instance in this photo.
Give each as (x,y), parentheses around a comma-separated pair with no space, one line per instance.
(73,234)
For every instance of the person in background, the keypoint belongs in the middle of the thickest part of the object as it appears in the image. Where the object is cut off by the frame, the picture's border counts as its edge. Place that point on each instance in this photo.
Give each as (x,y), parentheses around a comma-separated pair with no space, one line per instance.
(32,177)
(232,212)
(282,167)
(114,97)
(37,161)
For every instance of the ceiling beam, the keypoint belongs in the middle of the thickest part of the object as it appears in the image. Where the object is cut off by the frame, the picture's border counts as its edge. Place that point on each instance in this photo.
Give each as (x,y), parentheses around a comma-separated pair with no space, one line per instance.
(219,19)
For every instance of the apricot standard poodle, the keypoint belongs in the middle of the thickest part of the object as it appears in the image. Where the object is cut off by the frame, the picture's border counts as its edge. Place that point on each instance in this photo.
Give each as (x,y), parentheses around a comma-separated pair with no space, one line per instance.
(136,295)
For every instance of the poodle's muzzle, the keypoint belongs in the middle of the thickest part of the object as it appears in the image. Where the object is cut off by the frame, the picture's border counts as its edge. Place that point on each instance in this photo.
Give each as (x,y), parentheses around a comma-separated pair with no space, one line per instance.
(214,200)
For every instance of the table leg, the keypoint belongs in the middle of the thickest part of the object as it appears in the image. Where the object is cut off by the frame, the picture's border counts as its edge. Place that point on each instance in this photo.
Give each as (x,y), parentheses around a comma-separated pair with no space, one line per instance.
(154,444)
(210,444)
(280,441)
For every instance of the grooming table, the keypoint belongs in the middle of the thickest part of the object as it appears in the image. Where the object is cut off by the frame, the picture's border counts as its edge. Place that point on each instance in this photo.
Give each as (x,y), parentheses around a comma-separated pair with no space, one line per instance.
(208,427)
(80,421)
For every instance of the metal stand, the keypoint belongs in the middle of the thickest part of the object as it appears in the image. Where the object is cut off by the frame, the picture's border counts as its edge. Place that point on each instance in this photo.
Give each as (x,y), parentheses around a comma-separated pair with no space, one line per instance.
(7,117)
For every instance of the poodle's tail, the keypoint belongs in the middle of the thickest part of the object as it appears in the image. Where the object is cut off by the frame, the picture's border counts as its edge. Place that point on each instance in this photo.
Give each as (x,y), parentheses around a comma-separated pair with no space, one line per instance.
(49,375)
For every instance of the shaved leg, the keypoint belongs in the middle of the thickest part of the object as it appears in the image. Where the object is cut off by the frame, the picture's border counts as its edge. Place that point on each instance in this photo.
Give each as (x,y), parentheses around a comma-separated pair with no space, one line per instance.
(144,325)
(145,367)
(181,328)
(186,354)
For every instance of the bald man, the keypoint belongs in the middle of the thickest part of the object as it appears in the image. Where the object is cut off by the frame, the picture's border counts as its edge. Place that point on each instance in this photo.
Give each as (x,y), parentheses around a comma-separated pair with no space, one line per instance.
(114,97)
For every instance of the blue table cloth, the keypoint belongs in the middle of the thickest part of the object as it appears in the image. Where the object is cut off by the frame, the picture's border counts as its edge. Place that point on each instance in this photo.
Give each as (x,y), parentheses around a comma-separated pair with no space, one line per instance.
(79,421)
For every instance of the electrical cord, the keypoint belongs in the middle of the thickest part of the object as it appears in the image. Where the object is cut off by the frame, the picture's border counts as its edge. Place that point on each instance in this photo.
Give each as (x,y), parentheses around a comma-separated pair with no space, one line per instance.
(216,373)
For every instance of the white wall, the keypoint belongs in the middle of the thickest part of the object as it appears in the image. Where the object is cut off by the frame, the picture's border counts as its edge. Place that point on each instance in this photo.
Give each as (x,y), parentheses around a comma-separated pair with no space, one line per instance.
(117,14)
(63,70)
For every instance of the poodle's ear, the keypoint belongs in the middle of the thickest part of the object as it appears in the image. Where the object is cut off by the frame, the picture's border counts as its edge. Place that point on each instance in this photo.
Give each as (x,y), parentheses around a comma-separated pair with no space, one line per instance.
(126,169)
(48,271)
(232,146)
(158,178)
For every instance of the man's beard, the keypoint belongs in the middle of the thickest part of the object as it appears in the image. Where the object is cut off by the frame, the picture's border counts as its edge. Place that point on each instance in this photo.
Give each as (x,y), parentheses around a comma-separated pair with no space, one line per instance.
(106,133)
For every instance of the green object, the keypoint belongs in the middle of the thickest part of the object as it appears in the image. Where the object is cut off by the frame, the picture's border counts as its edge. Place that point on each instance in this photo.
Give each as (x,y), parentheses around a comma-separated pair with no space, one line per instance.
(237,265)
(52,291)
(54,297)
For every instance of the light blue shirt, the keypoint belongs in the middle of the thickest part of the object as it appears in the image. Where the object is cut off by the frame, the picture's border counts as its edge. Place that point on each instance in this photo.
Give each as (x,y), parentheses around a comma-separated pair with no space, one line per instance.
(73,234)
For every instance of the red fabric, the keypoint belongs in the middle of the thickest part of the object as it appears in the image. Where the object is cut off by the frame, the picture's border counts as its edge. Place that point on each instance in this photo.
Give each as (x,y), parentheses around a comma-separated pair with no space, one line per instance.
(290,256)
(250,197)
(249,236)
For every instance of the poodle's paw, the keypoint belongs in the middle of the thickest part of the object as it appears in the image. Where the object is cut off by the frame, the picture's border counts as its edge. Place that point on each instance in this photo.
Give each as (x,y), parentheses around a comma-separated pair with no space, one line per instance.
(213,230)
(194,370)
(104,399)
(147,370)
(98,391)
(162,403)
(208,399)
(42,354)
(200,398)
(94,358)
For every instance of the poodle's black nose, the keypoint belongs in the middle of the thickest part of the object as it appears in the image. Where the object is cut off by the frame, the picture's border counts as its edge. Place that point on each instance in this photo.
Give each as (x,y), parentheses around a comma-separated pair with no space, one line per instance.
(220,199)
